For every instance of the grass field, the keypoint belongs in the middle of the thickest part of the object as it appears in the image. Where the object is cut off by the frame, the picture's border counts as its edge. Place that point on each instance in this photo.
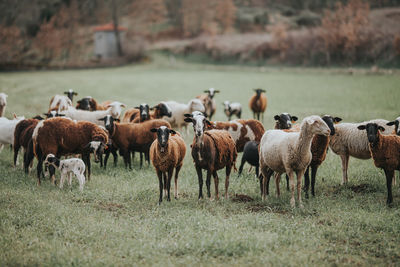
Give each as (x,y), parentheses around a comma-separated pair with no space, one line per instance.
(116,219)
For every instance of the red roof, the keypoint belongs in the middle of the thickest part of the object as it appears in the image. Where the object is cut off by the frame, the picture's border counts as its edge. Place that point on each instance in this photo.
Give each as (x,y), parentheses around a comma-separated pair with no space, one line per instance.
(108,28)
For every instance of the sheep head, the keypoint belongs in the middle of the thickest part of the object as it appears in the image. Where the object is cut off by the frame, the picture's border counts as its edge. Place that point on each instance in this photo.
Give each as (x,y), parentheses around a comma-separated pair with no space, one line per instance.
(372,132)
(163,133)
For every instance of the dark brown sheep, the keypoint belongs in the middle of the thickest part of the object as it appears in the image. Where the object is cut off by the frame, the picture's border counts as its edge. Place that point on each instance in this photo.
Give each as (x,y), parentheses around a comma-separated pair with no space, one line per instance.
(211,150)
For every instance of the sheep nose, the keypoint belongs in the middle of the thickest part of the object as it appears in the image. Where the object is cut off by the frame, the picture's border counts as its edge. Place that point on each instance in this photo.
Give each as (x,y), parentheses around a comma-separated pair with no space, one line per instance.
(198,133)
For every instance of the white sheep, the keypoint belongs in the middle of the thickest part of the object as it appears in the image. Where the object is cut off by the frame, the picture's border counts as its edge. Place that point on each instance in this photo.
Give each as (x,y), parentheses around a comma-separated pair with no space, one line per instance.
(3,103)
(289,152)
(68,167)
(7,128)
(349,141)
(231,109)
(114,109)
(177,119)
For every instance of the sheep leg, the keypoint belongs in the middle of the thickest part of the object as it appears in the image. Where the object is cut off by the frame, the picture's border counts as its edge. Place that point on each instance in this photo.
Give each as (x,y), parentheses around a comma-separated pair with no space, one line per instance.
(70,178)
(160,183)
(39,167)
(62,179)
(141,159)
(307,181)
(200,177)
(101,161)
(216,181)
(257,171)
(389,177)
(239,114)
(287,182)
(106,156)
(291,179)
(241,166)
(313,176)
(88,166)
(52,172)
(81,179)
(208,184)
(16,150)
(177,169)
(169,183)
(300,175)
(114,152)
(345,165)
(228,172)
(277,178)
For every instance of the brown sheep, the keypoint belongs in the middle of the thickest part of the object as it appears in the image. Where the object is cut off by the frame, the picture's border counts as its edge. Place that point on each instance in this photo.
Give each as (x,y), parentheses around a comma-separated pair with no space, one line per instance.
(258,103)
(208,101)
(241,131)
(129,137)
(90,104)
(385,150)
(59,103)
(62,136)
(211,150)
(144,112)
(166,154)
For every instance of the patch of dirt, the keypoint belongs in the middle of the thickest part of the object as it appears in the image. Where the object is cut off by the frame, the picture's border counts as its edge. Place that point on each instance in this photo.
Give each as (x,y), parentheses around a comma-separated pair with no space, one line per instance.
(110,206)
(361,188)
(242,198)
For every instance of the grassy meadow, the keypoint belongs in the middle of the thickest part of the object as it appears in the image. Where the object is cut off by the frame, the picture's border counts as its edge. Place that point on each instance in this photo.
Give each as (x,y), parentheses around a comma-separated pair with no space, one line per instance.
(116,219)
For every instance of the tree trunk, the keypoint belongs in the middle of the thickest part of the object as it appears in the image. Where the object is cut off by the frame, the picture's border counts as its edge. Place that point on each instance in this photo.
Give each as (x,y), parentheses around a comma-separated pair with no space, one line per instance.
(115,22)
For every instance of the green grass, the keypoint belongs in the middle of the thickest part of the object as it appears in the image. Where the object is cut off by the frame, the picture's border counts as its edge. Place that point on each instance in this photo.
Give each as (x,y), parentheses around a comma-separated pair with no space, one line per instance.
(116,220)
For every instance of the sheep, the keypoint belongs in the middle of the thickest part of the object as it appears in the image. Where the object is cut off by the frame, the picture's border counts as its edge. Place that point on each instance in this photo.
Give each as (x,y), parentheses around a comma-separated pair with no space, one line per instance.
(63,136)
(70,93)
(284,121)
(349,141)
(7,128)
(59,103)
(241,131)
(166,154)
(68,167)
(23,137)
(258,103)
(177,119)
(319,147)
(156,112)
(114,109)
(3,104)
(385,150)
(212,150)
(250,151)
(208,101)
(289,152)
(231,109)
(129,137)
(89,103)
(395,123)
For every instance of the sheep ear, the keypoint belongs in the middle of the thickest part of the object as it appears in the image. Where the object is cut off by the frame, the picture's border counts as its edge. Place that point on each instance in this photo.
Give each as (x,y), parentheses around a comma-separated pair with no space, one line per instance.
(206,91)
(361,127)
(60,115)
(337,120)
(102,119)
(172,131)
(276,117)
(262,90)
(381,128)
(75,93)
(208,123)
(391,123)
(188,115)
(188,119)
(66,93)
(79,101)
(153,130)
(137,107)
(46,114)
(294,118)
(117,120)
(216,91)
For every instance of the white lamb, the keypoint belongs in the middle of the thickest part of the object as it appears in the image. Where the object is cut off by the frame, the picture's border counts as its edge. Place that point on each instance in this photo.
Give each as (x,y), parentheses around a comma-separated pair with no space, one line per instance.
(7,128)
(3,103)
(60,103)
(178,110)
(349,141)
(289,152)
(114,109)
(68,167)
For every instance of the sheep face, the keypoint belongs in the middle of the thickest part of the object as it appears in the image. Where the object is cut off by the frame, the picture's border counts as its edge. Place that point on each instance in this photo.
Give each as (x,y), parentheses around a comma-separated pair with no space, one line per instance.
(285,120)
(318,126)
(116,109)
(97,148)
(84,103)
(52,160)
(70,93)
(199,125)
(259,91)
(162,136)
(144,112)
(109,123)
(163,109)
(396,125)
(330,121)
(372,132)
(211,92)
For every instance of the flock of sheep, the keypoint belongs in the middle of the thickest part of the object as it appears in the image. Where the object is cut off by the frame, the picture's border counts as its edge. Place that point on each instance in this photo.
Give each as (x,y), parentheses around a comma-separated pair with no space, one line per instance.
(98,129)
